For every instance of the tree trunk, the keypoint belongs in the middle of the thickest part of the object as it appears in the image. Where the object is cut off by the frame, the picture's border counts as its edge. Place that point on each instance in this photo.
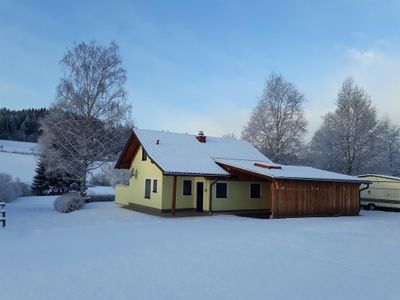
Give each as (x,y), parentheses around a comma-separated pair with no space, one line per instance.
(83,187)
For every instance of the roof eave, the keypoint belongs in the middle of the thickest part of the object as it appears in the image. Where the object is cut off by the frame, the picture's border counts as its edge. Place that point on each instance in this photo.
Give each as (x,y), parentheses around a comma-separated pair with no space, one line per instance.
(170,173)
(270,176)
(119,164)
(324,180)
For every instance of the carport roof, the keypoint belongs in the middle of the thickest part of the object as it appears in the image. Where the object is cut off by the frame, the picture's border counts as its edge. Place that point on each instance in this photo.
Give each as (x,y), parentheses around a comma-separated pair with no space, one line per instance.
(288,172)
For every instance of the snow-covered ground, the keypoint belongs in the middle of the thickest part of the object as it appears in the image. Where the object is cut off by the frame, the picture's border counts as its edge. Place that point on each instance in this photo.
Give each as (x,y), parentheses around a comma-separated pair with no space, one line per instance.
(107,252)
(18,147)
(101,190)
(19,159)
(18,165)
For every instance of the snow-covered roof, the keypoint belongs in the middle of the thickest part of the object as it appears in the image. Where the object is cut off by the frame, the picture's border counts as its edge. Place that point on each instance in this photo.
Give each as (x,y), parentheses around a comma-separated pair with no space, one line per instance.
(288,172)
(381,176)
(184,154)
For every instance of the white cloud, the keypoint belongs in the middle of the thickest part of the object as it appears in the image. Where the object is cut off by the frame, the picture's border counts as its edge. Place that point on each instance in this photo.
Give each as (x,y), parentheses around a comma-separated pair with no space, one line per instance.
(378,73)
(365,58)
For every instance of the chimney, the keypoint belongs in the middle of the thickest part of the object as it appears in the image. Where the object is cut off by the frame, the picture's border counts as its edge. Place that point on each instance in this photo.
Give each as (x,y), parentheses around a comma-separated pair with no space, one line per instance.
(201,137)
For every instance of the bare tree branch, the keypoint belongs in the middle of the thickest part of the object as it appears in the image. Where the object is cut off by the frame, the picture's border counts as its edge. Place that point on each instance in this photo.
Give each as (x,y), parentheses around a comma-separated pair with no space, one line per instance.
(277,125)
(85,126)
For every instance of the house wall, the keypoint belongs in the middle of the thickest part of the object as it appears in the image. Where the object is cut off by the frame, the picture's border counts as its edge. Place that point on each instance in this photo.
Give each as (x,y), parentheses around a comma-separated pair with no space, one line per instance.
(382,192)
(309,198)
(134,192)
(183,201)
(238,195)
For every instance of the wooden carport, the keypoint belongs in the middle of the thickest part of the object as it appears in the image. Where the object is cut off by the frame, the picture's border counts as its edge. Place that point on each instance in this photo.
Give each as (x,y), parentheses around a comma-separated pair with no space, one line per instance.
(305,198)
(294,198)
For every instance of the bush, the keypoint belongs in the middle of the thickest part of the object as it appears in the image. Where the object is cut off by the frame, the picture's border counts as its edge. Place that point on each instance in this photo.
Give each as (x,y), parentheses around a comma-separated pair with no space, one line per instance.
(102,198)
(69,202)
(11,189)
(99,179)
(109,176)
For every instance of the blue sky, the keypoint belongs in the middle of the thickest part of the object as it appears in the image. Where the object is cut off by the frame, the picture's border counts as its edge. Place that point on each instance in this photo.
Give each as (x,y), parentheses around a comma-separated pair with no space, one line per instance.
(201,65)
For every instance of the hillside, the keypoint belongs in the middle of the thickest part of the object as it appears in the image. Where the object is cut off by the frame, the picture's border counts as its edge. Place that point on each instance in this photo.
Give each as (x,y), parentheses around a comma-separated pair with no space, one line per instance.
(18,159)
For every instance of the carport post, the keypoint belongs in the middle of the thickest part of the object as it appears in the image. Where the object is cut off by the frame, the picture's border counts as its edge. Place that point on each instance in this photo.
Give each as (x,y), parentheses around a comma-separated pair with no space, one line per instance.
(174,197)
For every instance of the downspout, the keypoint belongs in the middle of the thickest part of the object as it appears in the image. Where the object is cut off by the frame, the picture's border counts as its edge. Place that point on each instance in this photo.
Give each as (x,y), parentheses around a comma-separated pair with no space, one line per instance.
(210,195)
(359,196)
(173,210)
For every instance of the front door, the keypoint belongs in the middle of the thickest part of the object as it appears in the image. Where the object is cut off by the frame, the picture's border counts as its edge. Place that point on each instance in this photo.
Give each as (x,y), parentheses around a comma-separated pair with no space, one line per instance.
(199,196)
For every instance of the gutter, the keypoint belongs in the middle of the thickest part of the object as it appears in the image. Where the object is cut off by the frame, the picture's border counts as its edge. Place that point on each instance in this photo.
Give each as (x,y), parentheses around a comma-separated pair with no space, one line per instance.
(210,196)
(359,195)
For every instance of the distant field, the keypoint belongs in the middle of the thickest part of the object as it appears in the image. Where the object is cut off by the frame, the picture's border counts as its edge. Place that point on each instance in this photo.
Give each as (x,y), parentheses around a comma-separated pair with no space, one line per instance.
(19,147)
(18,159)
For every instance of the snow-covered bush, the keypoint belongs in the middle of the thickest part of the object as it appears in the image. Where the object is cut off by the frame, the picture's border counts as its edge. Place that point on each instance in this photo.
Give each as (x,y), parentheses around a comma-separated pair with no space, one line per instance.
(69,202)
(109,176)
(22,188)
(99,179)
(11,189)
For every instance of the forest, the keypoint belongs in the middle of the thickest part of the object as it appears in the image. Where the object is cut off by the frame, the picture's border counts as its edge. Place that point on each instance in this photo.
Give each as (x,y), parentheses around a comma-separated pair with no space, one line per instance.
(21,125)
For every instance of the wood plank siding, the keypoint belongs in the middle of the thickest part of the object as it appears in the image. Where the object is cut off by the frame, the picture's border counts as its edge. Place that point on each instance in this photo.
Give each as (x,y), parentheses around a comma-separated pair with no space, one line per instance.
(309,198)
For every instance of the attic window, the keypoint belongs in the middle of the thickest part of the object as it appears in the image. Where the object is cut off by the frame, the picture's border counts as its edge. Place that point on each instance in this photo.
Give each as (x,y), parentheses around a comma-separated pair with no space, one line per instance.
(266,166)
(144,154)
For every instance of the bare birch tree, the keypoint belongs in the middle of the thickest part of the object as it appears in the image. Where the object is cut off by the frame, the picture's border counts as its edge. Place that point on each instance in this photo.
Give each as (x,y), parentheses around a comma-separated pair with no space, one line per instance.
(389,152)
(347,140)
(80,132)
(277,125)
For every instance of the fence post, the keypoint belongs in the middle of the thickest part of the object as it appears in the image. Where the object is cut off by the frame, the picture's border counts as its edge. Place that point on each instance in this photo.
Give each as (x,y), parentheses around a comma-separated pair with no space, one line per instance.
(3,214)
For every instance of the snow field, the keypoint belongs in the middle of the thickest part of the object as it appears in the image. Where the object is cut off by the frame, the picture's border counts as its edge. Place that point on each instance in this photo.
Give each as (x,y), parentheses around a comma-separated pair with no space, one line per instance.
(107,252)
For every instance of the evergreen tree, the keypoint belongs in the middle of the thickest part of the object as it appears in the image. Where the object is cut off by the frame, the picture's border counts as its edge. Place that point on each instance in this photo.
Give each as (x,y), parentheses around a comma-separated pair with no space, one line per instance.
(40,183)
(48,182)
(20,125)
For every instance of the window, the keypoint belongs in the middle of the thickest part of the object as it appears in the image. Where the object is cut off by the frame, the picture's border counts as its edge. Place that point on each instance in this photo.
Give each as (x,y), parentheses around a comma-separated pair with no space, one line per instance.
(221,190)
(144,154)
(255,190)
(187,187)
(155,186)
(147,188)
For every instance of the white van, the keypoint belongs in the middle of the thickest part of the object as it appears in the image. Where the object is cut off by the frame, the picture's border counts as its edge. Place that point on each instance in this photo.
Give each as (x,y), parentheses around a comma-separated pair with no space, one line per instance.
(384,192)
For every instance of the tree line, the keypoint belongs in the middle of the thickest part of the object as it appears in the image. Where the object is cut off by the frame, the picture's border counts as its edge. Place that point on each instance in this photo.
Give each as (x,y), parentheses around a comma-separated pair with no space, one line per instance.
(21,125)
(352,139)
(89,123)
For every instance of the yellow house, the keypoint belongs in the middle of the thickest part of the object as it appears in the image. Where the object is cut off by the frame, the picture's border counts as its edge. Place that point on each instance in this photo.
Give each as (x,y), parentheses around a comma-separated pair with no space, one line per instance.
(172,172)
(383,193)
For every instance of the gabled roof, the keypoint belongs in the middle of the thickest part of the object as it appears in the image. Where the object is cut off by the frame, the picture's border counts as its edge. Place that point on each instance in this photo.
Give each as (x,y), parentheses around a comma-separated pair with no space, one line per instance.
(178,153)
(381,176)
(183,154)
(276,171)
